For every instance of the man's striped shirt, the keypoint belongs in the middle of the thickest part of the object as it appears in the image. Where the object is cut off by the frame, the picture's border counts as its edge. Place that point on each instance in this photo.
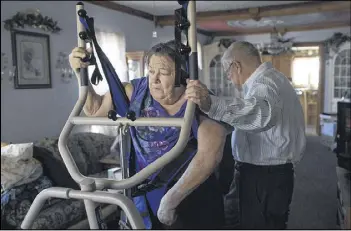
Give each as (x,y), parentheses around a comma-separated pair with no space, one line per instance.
(268,122)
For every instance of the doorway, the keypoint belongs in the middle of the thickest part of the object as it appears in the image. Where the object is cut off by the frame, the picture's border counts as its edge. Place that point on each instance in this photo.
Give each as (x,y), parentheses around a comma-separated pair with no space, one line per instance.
(305,77)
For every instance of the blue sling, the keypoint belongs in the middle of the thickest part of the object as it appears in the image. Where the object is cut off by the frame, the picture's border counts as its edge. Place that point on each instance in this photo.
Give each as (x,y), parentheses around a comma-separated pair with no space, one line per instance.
(119,97)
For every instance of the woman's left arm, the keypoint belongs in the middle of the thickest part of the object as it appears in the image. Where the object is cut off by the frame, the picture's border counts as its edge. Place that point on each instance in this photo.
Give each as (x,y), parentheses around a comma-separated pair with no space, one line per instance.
(211,140)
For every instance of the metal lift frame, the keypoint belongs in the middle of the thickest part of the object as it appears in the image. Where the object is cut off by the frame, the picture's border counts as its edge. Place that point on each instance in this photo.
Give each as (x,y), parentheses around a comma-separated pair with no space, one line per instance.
(91,187)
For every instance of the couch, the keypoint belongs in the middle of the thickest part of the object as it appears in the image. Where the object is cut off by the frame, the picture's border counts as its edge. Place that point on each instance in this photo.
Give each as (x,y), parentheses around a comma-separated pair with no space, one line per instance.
(87,150)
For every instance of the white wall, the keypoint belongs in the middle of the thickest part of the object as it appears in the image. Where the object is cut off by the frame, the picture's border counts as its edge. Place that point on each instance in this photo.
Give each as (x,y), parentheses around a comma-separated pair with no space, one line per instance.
(32,114)
(303,36)
(167,33)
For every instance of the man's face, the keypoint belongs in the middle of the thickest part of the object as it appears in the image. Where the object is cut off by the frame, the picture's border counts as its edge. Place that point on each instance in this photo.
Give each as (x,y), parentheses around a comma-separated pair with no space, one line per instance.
(233,73)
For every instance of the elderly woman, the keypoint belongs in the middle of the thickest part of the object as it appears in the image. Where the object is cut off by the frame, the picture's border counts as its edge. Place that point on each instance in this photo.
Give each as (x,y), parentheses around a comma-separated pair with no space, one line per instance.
(193,199)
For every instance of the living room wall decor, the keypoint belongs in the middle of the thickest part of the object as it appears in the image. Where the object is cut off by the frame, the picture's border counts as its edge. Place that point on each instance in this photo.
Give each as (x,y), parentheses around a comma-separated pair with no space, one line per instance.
(32,19)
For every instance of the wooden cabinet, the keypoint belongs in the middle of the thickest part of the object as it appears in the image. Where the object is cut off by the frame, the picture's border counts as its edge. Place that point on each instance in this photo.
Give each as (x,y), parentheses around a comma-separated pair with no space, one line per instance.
(281,62)
(312,113)
(136,64)
(267,58)
(308,100)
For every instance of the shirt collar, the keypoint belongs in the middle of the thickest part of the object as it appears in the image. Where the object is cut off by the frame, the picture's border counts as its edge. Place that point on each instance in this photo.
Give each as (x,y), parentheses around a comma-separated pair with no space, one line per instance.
(262,68)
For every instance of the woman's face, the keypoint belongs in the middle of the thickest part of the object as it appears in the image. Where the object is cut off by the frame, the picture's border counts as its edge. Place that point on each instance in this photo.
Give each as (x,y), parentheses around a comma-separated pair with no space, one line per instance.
(161,77)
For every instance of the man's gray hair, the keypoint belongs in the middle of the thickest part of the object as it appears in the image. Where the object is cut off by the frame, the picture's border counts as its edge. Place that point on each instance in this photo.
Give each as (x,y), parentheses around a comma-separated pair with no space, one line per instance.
(239,48)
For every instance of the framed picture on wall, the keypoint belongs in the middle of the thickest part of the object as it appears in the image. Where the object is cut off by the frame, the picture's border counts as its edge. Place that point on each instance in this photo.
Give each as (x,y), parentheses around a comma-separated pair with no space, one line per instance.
(31,58)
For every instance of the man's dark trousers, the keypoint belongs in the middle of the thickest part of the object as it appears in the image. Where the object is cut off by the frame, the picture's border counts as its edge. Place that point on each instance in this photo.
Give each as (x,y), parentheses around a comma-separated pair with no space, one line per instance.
(265,194)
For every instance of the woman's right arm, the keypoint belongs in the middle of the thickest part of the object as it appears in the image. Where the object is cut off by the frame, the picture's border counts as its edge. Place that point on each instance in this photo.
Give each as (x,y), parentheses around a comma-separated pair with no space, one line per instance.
(95,105)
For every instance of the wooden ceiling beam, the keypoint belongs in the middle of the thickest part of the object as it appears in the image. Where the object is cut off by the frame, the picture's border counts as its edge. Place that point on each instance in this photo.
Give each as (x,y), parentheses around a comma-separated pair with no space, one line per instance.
(265,11)
(204,32)
(131,11)
(121,8)
(317,26)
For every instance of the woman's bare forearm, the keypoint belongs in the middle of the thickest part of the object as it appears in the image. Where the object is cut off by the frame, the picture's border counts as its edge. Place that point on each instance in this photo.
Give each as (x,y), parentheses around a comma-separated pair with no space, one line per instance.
(211,140)
(199,169)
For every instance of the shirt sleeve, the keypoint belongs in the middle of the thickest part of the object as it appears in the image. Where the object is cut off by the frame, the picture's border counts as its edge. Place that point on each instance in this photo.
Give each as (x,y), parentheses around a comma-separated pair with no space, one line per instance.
(259,111)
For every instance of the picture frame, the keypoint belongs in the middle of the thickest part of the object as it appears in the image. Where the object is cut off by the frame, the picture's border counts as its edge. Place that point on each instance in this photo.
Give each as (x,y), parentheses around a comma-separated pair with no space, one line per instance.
(31,57)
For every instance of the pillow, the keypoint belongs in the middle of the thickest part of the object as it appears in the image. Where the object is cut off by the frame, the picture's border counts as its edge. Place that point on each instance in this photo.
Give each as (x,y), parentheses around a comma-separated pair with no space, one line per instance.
(18,165)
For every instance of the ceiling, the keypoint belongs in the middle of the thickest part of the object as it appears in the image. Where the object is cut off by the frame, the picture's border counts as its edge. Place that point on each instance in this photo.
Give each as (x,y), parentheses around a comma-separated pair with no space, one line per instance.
(168,7)
(241,26)
(223,18)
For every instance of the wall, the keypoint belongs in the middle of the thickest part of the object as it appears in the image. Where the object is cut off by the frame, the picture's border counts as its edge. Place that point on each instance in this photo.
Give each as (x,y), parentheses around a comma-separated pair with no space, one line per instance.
(303,36)
(32,114)
(167,33)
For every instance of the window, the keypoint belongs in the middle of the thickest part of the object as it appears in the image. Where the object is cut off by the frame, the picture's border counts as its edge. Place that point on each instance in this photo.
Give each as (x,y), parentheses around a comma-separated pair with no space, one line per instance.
(219,83)
(216,74)
(305,72)
(199,55)
(342,75)
(113,45)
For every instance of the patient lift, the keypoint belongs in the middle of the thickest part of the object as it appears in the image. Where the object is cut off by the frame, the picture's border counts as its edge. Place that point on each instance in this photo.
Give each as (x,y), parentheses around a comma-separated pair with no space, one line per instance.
(91,188)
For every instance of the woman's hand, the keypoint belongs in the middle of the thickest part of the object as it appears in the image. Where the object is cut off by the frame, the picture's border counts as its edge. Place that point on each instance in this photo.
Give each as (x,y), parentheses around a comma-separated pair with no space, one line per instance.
(166,213)
(76,56)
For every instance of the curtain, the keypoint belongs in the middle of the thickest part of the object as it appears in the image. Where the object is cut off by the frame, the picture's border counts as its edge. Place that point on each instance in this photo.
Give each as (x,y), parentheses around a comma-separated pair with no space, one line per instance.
(114,46)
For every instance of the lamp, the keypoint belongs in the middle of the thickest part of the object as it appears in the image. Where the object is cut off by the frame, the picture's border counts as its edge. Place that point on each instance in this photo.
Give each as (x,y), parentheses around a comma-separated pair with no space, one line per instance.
(277,45)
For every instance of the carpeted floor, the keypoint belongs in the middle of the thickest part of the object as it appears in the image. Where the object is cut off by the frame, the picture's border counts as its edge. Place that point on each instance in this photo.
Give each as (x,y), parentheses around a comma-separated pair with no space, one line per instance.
(314,202)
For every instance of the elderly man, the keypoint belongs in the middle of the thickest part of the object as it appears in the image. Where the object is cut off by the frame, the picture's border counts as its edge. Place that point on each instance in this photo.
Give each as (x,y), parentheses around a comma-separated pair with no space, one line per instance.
(268,137)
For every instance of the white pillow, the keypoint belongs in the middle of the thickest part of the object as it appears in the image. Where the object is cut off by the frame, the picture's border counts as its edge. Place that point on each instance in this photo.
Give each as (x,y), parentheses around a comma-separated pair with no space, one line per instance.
(18,165)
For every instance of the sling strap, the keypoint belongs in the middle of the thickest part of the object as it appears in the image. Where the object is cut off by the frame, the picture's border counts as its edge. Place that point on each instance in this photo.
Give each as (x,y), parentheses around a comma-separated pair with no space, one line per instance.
(119,96)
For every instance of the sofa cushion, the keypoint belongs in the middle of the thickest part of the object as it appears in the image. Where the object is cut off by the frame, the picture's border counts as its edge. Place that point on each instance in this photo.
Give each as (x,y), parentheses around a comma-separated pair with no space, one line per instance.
(86,149)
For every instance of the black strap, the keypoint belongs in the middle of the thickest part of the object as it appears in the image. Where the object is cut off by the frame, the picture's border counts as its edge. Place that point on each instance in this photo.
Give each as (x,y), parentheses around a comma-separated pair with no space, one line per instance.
(96,76)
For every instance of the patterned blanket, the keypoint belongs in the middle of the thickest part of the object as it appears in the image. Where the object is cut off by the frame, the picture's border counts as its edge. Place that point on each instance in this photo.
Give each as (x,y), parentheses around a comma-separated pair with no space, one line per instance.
(86,149)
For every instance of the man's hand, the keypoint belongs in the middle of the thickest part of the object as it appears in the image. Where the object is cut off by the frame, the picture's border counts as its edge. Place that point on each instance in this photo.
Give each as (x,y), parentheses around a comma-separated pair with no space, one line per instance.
(167,211)
(199,94)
